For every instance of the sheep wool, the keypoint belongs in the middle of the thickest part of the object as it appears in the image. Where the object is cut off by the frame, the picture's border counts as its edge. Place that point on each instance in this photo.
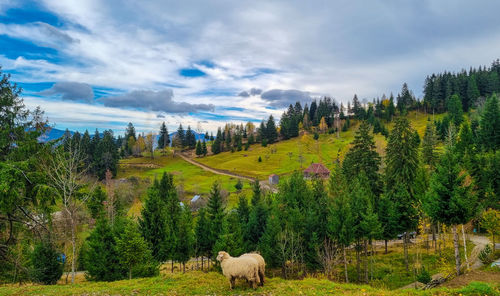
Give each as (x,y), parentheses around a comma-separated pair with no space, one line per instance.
(262,265)
(245,267)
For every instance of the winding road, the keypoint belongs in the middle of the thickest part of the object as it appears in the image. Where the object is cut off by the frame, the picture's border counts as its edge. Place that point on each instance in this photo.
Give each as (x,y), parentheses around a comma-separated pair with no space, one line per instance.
(263,184)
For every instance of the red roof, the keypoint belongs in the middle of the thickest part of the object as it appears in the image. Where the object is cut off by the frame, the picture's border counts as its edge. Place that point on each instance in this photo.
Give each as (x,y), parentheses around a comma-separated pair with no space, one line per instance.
(317,168)
(272,175)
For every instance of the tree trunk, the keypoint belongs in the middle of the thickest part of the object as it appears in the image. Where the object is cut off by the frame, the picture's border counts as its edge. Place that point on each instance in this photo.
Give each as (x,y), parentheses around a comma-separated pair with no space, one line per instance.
(366,261)
(405,246)
(385,241)
(358,267)
(457,252)
(183,267)
(439,238)
(345,265)
(172,265)
(434,237)
(201,263)
(73,244)
(465,247)
(130,273)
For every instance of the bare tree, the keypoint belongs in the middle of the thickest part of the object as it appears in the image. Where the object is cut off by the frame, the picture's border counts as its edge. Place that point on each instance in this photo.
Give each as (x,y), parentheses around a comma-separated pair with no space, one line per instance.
(67,176)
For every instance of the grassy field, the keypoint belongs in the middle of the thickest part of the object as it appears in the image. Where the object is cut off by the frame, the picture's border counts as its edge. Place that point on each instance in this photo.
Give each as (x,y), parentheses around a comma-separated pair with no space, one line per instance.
(192,179)
(212,283)
(283,157)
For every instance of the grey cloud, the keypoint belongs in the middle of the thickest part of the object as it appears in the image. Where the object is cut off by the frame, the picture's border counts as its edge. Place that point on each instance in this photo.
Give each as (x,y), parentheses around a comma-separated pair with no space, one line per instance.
(243,94)
(53,32)
(255,91)
(282,98)
(160,116)
(154,101)
(71,91)
(251,92)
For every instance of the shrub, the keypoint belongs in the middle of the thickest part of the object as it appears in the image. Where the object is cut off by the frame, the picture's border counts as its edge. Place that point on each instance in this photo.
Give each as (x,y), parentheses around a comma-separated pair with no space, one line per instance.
(260,159)
(46,264)
(485,255)
(238,185)
(424,277)
(316,136)
(478,288)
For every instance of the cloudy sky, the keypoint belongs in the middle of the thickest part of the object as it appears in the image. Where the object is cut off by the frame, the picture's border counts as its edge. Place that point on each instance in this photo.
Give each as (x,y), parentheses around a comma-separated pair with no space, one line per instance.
(102,63)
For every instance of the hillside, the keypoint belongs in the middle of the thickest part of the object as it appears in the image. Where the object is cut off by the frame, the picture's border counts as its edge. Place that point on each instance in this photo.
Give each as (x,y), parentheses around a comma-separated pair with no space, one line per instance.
(285,157)
(213,283)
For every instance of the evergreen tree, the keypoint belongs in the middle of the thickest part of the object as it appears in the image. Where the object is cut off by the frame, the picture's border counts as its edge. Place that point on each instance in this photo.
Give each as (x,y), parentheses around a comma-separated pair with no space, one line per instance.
(363,157)
(455,110)
(199,149)
(272,134)
(269,245)
(450,199)
(153,223)
(181,134)
(185,240)
(243,211)
(472,93)
(101,258)
(256,224)
(163,139)
(215,214)
(190,138)
(202,233)
(46,266)
(95,203)
(489,133)
(204,150)
(231,238)
(340,221)
(132,248)
(429,145)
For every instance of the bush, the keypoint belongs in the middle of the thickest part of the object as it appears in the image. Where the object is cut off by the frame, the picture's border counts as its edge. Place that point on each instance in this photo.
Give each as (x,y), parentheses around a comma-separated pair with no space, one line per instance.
(238,185)
(485,255)
(260,159)
(316,136)
(424,277)
(478,288)
(46,264)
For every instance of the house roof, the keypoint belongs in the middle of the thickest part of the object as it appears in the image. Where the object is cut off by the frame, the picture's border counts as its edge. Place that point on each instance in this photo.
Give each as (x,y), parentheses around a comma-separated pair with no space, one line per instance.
(195,198)
(273,175)
(317,168)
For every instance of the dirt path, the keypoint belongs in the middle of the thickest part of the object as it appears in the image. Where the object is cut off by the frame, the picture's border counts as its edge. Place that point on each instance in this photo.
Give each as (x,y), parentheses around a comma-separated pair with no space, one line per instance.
(225,173)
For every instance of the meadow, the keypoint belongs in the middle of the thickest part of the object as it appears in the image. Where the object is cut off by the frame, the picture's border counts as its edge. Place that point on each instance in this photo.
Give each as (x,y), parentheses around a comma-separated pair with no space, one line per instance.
(294,154)
(214,283)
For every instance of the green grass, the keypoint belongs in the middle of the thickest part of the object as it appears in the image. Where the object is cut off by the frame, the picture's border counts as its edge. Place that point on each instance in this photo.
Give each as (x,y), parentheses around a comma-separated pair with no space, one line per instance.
(282,158)
(212,283)
(191,178)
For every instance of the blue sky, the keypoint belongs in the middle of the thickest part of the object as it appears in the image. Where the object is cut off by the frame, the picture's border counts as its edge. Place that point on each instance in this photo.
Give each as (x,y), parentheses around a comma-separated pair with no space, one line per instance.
(101,64)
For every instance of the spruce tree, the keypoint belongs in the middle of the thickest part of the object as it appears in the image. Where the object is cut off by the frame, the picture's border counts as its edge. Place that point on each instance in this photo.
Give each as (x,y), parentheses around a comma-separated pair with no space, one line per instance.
(132,248)
(215,214)
(363,157)
(451,199)
(185,238)
(204,150)
(272,134)
(202,234)
(231,237)
(181,134)
(429,145)
(472,92)
(199,149)
(46,266)
(489,133)
(163,139)
(455,110)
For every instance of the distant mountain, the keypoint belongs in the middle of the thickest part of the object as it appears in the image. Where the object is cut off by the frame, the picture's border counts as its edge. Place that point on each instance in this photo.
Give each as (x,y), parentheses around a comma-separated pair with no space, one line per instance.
(198,136)
(54,134)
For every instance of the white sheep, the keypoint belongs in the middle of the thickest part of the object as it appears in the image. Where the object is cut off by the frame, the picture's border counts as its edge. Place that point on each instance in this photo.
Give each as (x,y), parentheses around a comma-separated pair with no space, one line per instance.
(245,267)
(262,265)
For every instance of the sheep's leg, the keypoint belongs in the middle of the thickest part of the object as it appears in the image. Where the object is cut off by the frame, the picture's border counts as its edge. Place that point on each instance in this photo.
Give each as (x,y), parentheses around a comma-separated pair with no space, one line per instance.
(231,283)
(261,276)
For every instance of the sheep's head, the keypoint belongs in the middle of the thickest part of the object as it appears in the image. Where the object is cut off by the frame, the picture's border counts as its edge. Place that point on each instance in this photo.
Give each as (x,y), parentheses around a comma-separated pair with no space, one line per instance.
(222,255)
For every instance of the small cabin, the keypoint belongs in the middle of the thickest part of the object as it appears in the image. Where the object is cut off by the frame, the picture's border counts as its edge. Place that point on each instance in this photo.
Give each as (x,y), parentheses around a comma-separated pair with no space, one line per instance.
(274,179)
(316,170)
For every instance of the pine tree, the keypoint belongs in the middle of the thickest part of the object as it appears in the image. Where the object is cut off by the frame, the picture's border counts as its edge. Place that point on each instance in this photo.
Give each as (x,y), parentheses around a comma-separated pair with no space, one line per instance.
(202,233)
(269,242)
(164,139)
(132,248)
(185,238)
(256,224)
(215,214)
(340,221)
(204,150)
(181,134)
(455,110)
(95,203)
(153,223)
(199,149)
(272,134)
(190,138)
(450,199)
(363,157)
(46,266)
(429,145)
(489,133)
(101,258)
(472,92)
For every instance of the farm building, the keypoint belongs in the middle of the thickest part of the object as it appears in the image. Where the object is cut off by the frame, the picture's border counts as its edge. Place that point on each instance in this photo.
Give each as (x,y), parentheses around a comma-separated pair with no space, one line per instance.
(316,169)
(274,179)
